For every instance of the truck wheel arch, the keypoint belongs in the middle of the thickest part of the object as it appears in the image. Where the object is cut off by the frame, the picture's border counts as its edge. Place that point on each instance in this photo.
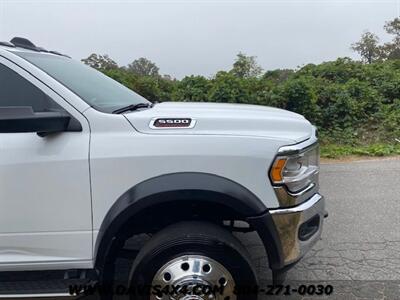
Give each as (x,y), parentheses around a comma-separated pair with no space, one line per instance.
(180,188)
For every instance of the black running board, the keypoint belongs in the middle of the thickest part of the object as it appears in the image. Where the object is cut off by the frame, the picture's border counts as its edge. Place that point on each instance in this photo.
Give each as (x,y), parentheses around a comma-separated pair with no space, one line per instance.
(44,284)
(31,296)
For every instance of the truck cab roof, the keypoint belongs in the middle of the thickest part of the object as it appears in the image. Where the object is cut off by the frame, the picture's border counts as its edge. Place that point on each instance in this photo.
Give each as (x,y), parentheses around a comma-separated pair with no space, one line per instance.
(18,44)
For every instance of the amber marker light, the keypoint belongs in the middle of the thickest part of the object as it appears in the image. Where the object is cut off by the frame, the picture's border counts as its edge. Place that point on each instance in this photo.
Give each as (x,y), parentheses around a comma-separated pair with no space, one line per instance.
(277,169)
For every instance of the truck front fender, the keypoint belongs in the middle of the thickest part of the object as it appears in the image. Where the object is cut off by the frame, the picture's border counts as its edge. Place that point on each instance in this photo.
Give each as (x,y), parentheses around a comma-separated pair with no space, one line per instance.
(188,186)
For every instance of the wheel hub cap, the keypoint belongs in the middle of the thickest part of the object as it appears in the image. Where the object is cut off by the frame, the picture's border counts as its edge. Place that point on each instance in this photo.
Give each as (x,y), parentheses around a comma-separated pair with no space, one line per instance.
(193,277)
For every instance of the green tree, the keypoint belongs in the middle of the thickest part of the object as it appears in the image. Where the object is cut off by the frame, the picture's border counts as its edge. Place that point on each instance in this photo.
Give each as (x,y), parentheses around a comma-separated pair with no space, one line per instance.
(392,49)
(100,62)
(393,27)
(167,86)
(340,70)
(246,66)
(278,76)
(147,87)
(226,87)
(192,88)
(301,97)
(368,47)
(122,76)
(143,67)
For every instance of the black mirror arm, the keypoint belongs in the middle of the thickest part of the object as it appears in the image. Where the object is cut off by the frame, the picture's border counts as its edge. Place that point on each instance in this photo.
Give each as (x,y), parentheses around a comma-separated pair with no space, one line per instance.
(23,119)
(73,126)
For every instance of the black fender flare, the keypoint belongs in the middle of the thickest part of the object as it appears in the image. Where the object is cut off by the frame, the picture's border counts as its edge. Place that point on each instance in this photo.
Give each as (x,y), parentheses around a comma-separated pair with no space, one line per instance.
(184,186)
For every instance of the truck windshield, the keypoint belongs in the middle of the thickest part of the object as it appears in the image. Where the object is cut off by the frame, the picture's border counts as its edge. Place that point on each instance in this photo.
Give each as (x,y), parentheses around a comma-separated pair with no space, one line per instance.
(98,90)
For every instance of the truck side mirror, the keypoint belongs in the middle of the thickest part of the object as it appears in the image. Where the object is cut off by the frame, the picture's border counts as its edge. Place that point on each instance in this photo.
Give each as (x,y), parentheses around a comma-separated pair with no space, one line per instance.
(24,119)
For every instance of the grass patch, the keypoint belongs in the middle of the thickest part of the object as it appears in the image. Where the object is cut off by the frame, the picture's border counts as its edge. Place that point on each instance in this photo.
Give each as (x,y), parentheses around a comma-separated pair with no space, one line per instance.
(380,149)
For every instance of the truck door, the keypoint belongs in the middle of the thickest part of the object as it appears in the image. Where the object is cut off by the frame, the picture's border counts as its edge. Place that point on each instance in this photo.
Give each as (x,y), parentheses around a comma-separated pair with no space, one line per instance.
(45,203)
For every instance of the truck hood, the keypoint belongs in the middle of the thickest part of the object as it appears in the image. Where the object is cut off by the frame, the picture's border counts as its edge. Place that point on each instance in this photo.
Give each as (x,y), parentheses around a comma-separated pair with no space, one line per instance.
(224,119)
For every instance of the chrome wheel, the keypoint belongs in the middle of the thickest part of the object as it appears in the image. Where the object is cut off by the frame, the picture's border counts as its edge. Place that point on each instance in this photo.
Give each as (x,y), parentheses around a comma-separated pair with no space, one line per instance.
(193,277)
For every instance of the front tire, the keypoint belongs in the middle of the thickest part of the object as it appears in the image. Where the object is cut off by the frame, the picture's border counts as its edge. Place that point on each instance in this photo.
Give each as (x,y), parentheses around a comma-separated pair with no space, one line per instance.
(204,260)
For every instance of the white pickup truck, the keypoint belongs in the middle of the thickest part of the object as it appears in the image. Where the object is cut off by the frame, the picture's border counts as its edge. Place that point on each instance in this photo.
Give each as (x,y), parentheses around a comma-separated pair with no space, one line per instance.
(86,164)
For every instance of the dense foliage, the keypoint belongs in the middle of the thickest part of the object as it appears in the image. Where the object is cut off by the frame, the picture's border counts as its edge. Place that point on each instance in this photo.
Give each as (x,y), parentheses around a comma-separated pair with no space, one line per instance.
(349,101)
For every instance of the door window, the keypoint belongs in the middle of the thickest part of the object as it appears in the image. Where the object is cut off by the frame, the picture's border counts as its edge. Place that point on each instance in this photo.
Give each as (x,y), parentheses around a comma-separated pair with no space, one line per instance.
(17,91)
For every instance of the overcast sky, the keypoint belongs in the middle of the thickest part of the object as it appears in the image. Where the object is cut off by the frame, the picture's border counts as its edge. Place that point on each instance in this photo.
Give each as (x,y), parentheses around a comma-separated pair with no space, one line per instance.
(198,37)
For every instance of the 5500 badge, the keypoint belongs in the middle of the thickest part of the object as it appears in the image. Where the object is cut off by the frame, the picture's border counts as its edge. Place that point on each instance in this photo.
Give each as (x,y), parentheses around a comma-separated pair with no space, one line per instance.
(172,123)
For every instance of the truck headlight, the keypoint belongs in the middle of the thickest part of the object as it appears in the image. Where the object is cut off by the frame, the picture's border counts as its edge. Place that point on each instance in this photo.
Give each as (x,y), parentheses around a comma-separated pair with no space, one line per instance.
(296,170)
